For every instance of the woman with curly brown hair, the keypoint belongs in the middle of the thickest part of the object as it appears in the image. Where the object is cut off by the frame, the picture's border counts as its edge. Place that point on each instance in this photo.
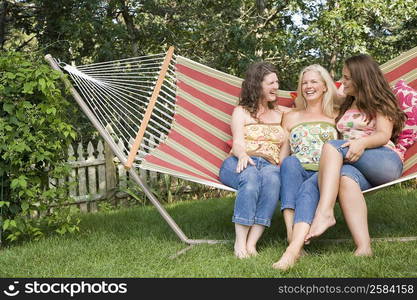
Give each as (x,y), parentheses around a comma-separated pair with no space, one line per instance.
(369,123)
(253,166)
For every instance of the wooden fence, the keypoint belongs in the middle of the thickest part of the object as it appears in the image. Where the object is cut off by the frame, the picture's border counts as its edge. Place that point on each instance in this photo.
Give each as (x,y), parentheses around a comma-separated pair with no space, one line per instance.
(96,175)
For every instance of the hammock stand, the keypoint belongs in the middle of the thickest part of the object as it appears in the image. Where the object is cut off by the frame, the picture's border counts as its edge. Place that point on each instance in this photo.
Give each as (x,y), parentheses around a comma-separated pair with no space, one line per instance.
(125,161)
(199,102)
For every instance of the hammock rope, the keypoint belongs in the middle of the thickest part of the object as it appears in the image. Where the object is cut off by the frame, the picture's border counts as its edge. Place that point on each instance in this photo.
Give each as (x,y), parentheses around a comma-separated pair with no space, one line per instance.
(187,128)
(118,93)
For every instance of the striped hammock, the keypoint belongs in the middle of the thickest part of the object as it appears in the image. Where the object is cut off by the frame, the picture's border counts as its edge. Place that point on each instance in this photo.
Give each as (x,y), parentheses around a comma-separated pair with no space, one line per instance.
(169,114)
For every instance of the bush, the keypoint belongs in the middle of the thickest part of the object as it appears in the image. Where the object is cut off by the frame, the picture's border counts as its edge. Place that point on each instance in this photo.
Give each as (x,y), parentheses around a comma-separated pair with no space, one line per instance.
(34,139)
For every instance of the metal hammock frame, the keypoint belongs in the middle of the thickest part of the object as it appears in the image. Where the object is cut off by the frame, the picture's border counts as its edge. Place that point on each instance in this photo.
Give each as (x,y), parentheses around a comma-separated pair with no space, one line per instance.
(182,125)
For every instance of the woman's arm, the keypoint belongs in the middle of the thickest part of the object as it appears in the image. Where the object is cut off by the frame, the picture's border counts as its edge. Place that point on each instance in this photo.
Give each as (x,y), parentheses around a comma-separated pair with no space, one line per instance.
(380,137)
(285,147)
(239,147)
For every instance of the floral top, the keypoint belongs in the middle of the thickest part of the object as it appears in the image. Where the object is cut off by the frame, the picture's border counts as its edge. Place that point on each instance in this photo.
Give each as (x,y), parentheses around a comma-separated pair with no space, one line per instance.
(307,139)
(264,140)
(354,125)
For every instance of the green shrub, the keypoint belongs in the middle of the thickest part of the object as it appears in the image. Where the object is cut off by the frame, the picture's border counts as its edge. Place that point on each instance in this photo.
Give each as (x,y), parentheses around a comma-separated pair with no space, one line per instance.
(34,138)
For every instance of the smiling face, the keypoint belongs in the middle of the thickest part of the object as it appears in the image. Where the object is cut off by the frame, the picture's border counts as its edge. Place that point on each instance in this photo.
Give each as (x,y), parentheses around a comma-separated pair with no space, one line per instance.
(312,86)
(270,87)
(348,86)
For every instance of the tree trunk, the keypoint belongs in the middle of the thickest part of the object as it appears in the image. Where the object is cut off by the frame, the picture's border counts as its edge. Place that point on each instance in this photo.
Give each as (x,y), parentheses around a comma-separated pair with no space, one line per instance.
(131,28)
(260,4)
(3,23)
(332,68)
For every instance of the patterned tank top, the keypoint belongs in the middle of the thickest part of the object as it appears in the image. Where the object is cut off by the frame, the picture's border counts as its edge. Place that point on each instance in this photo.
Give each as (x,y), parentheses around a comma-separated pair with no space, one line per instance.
(354,125)
(307,139)
(264,140)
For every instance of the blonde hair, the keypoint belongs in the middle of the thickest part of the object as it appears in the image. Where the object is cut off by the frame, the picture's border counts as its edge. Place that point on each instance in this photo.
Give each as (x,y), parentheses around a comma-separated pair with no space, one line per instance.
(328,103)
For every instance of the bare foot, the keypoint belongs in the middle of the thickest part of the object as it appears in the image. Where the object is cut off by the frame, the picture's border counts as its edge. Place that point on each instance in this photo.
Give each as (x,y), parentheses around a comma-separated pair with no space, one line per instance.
(252,251)
(287,260)
(303,253)
(320,224)
(367,251)
(240,251)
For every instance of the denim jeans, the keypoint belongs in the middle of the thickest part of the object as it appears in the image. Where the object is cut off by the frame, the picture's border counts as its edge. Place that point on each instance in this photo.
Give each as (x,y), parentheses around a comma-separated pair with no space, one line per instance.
(353,173)
(378,165)
(300,191)
(257,188)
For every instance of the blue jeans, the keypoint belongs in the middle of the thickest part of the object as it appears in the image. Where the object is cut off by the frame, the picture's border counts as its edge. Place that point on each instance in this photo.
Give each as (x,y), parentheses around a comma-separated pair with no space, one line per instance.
(257,190)
(378,165)
(300,191)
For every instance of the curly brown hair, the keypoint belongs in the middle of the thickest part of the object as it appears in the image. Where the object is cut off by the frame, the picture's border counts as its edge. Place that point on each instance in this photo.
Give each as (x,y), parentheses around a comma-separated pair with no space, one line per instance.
(374,94)
(251,91)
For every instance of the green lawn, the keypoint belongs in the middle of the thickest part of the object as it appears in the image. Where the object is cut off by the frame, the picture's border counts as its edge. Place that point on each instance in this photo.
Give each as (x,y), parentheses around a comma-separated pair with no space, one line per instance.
(136,242)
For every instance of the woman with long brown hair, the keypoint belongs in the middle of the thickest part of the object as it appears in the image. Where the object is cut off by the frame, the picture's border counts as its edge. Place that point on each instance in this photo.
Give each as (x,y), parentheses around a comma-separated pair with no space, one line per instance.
(369,123)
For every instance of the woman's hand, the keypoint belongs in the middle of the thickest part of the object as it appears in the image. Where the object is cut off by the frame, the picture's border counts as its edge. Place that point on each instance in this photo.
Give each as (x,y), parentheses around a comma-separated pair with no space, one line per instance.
(356,149)
(243,162)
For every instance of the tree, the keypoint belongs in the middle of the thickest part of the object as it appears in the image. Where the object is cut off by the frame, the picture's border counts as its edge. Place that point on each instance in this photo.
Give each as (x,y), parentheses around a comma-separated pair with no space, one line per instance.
(337,29)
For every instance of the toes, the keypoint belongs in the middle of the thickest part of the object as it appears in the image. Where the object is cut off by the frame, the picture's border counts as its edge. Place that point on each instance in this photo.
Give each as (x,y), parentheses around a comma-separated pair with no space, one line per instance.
(241,254)
(363,253)
(286,262)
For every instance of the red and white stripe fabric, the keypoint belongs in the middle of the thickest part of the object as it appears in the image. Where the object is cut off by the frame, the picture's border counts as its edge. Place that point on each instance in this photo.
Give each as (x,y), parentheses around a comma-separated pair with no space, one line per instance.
(198,141)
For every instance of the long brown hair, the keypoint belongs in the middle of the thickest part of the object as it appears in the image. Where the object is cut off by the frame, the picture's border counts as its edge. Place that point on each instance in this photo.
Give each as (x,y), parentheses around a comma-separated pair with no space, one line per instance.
(251,91)
(374,94)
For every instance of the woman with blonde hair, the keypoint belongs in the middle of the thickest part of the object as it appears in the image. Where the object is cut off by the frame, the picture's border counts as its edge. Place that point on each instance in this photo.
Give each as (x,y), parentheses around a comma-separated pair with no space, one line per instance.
(309,128)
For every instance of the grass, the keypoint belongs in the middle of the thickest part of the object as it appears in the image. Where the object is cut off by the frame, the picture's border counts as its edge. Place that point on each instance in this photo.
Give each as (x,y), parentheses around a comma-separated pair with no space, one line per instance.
(136,242)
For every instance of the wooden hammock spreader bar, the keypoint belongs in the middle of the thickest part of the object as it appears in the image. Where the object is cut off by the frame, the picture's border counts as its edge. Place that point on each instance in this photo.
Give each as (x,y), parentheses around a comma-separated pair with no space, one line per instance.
(149,109)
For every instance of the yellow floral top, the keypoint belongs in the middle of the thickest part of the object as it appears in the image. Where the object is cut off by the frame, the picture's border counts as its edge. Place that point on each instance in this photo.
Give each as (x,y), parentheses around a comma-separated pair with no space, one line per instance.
(307,139)
(264,140)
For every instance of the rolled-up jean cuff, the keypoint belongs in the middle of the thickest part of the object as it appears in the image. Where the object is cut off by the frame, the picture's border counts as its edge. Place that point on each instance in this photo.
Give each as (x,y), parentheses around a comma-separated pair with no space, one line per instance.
(287,207)
(338,148)
(304,219)
(263,222)
(353,177)
(363,186)
(247,222)
(243,221)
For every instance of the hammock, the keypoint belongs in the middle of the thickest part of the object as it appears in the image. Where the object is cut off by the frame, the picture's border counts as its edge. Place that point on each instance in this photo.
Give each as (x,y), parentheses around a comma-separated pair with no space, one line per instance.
(169,114)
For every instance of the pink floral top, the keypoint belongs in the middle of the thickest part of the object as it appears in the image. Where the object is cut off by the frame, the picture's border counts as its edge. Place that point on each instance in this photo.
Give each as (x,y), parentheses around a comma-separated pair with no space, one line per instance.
(354,125)
(264,140)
